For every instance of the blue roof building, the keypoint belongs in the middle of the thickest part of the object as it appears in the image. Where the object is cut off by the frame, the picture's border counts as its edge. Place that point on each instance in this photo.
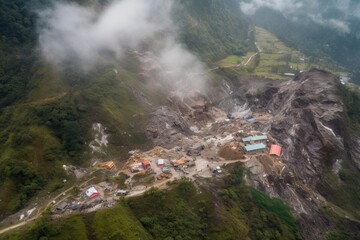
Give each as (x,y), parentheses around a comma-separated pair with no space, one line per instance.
(254,148)
(255,138)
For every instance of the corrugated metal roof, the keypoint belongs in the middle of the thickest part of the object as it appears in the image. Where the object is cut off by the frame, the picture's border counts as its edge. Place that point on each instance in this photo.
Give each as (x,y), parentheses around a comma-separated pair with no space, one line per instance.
(254,147)
(275,150)
(247,139)
(255,138)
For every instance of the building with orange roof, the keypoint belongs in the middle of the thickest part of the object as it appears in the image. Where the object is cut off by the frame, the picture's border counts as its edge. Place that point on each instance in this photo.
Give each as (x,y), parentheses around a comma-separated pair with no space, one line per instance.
(109,165)
(275,150)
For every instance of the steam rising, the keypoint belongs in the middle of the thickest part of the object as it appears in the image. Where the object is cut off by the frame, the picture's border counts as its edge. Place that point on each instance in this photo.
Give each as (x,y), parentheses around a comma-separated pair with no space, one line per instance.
(315,10)
(81,35)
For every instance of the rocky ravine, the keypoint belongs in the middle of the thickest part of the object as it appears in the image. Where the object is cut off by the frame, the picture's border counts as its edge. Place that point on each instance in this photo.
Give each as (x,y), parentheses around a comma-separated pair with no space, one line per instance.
(308,121)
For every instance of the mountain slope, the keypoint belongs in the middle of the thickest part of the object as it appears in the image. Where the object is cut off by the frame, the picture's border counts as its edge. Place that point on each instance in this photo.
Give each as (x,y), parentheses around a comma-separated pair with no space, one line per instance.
(311,120)
(46,113)
(49,116)
(214,29)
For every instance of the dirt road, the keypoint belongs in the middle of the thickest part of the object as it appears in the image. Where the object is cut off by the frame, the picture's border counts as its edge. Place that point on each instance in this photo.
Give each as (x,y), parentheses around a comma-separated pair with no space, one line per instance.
(248,60)
(191,175)
(43,209)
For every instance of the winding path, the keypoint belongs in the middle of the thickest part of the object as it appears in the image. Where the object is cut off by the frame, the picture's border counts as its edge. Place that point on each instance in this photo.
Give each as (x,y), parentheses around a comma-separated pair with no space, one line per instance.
(43,209)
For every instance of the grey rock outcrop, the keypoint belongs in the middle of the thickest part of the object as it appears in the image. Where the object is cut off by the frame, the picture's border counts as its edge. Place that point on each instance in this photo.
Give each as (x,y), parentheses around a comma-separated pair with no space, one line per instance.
(309,122)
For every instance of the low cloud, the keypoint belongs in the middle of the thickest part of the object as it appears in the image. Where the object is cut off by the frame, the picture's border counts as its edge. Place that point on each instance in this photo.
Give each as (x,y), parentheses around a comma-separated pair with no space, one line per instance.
(74,32)
(340,26)
(70,33)
(315,10)
(251,7)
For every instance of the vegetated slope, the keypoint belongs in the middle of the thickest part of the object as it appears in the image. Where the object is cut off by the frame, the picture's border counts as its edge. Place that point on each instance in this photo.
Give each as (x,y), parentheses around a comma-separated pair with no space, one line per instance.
(221,209)
(313,39)
(17,59)
(314,116)
(46,113)
(38,137)
(214,29)
(276,58)
(17,39)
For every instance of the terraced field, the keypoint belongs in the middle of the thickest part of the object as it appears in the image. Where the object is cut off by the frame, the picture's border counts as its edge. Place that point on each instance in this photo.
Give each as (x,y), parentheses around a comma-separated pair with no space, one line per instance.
(276,60)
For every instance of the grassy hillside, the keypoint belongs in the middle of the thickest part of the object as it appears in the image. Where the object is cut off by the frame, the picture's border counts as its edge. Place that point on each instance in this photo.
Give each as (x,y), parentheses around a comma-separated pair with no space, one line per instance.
(225,210)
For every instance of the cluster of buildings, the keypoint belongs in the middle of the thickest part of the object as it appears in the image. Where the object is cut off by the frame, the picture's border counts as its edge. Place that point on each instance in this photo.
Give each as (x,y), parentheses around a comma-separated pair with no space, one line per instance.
(142,164)
(139,166)
(90,199)
(255,144)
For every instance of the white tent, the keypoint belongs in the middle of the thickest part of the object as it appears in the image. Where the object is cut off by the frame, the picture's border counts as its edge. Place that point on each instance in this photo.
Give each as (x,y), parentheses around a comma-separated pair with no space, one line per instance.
(92,192)
(160,162)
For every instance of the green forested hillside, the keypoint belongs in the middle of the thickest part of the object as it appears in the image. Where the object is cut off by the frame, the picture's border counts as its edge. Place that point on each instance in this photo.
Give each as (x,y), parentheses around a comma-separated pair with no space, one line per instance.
(214,29)
(46,113)
(43,134)
(17,39)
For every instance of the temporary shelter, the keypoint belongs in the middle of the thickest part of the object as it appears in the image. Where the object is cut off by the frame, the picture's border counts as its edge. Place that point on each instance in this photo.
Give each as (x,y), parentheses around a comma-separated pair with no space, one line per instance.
(160,162)
(92,192)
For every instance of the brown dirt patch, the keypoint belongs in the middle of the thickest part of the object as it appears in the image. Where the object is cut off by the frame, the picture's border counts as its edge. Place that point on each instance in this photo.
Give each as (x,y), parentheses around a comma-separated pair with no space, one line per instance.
(231,151)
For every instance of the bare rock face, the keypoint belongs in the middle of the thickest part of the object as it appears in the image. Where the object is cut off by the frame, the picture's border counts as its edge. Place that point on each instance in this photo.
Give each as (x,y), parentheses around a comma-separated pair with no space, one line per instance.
(309,123)
(167,128)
